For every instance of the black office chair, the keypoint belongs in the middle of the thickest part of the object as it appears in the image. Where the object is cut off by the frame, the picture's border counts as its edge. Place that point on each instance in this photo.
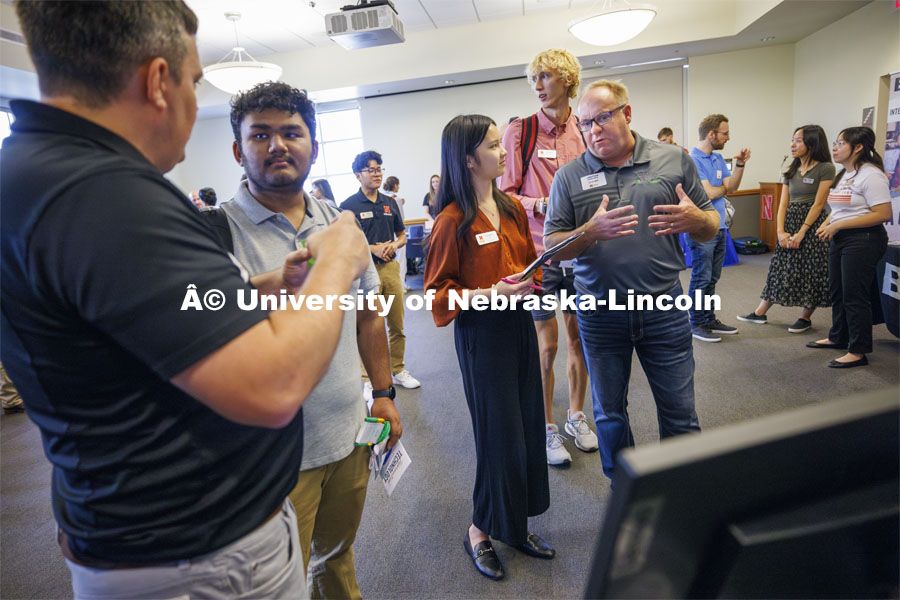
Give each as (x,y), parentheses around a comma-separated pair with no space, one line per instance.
(415,252)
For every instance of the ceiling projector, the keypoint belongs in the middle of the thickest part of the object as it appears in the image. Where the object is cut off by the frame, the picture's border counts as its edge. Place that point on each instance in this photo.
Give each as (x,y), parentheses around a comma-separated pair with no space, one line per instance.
(365,24)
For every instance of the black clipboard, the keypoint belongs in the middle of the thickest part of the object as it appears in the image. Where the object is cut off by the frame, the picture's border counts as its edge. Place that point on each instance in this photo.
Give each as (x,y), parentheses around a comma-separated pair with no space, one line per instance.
(547,255)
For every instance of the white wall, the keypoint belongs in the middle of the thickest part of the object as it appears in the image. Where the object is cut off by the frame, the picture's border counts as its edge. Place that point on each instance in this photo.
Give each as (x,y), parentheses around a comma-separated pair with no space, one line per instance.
(753,88)
(837,68)
(209,160)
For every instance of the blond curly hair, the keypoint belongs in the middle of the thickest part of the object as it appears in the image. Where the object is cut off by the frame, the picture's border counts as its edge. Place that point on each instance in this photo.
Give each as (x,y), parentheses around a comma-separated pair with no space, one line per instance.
(561,61)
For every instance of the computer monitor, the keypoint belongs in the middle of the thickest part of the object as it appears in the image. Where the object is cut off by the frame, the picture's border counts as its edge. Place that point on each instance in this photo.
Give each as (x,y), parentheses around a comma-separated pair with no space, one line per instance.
(802,504)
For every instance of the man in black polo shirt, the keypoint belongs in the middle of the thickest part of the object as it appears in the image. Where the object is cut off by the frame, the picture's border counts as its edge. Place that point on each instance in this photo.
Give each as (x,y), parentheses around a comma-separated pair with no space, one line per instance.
(174,432)
(381,221)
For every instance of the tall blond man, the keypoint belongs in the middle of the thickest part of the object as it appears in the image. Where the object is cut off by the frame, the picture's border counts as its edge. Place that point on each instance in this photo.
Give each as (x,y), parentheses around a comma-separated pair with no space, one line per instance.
(537,147)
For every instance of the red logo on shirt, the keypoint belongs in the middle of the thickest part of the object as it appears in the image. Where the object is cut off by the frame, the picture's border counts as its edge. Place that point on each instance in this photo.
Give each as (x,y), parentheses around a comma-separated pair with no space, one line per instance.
(387,210)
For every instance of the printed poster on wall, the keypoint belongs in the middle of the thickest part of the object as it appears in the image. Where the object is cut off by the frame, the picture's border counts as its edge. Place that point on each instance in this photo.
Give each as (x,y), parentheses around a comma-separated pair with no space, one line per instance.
(891,155)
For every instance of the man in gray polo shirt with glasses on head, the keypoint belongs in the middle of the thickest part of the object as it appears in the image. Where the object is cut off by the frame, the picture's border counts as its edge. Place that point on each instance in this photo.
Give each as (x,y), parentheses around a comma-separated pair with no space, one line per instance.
(630,197)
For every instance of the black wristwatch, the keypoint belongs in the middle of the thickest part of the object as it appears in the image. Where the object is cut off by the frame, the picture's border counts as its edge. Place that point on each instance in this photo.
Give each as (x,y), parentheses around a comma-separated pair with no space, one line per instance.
(388,393)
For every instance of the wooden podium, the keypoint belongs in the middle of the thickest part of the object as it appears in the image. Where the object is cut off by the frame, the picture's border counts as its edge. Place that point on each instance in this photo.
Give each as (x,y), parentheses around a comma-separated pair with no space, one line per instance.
(769,198)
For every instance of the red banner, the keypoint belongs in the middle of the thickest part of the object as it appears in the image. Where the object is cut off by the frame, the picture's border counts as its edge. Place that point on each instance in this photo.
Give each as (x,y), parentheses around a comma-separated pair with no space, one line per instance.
(766,208)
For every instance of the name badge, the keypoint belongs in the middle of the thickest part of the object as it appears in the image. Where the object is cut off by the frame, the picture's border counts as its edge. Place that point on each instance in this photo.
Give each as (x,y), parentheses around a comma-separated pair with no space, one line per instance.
(543,153)
(489,237)
(366,215)
(808,180)
(594,180)
(718,174)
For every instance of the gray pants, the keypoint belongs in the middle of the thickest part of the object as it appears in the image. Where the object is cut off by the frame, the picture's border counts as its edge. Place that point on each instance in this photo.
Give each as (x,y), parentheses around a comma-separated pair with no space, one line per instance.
(265,563)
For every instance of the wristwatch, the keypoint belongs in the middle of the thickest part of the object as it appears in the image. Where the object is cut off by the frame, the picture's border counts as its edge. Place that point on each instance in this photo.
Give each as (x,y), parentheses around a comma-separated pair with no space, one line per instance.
(387,393)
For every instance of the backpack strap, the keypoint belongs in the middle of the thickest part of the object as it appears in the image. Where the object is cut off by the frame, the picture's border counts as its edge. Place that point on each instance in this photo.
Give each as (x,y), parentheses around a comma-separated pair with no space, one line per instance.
(218,222)
(529,143)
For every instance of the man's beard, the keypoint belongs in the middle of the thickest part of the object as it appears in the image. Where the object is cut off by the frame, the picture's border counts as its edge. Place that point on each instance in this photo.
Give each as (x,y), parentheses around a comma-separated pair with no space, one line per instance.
(278,181)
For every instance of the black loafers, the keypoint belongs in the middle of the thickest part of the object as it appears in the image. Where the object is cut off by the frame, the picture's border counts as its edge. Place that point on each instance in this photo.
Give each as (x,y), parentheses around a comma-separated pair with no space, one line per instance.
(536,547)
(832,346)
(849,365)
(484,558)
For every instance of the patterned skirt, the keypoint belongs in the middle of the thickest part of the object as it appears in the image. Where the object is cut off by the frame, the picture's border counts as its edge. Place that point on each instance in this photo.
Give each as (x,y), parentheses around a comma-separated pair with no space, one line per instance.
(799,277)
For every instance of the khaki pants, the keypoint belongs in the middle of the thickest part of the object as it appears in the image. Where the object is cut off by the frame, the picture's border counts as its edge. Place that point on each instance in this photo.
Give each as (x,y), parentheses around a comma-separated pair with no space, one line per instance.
(392,285)
(329,503)
(9,395)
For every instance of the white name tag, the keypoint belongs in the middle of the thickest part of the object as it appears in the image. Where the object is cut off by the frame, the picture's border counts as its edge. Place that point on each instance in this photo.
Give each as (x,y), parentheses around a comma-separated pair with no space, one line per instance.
(808,180)
(366,215)
(543,153)
(594,180)
(488,237)
(718,174)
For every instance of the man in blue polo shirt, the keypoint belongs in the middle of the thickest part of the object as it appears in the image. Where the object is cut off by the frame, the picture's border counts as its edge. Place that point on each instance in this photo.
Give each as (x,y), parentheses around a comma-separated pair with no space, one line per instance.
(381,221)
(707,257)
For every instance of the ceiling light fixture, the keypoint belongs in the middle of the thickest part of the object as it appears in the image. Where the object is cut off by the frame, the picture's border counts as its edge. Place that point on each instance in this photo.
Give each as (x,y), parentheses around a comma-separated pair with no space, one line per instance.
(768,38)
(238,71)
(614,24)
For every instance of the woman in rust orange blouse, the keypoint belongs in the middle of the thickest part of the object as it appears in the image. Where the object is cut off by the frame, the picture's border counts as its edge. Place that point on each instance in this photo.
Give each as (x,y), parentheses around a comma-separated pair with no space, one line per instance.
(480,238)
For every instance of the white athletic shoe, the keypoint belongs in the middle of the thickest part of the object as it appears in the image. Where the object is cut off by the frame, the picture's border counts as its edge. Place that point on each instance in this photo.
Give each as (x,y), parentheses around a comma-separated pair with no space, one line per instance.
(406,380)
(577,426)
(557,455)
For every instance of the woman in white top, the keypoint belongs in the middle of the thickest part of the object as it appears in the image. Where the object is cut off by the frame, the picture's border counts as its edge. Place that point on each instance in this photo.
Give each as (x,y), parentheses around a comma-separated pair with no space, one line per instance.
(860,204)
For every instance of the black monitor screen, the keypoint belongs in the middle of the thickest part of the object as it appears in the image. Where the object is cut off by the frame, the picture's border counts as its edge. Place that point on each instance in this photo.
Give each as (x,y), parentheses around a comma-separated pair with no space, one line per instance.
(802,504)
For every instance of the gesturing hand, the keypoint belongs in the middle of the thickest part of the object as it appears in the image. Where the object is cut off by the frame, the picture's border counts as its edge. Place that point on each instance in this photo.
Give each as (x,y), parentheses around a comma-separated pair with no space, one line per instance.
(610,224)
(683,217)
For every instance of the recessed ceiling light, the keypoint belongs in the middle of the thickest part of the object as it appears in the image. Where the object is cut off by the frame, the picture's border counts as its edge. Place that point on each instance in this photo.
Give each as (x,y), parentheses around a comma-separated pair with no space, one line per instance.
(449,81)
(768,38)
(599,62)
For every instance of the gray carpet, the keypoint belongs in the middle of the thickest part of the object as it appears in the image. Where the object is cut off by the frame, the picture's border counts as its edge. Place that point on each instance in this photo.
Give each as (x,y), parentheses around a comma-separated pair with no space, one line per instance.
(410,545)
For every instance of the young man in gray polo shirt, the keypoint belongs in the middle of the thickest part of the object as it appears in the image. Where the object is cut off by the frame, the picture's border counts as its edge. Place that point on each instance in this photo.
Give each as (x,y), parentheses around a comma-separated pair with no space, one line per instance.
(630,197)
(270,216)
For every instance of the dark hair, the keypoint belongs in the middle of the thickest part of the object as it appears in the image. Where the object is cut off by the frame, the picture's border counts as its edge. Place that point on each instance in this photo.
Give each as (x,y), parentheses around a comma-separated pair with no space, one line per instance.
(816,143)
(362,160)
(461,136)
(665,131)
(272,94)
(390,184)
(208,196)
(865,137)
(711,123)
(324,188)
(91,49)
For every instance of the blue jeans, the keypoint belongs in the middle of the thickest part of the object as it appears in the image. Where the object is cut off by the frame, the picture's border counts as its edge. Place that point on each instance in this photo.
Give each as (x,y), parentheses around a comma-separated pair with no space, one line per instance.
(706,269)
(662,339)
(265,563)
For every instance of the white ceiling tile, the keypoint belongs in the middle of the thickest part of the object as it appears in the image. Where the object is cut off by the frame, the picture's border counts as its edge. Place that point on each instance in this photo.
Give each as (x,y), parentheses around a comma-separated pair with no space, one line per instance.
(450,13)
(498,9)
(538,6)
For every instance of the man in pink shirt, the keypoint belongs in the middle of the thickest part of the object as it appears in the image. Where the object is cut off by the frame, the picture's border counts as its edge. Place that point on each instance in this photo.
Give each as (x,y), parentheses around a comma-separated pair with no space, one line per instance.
(549,140)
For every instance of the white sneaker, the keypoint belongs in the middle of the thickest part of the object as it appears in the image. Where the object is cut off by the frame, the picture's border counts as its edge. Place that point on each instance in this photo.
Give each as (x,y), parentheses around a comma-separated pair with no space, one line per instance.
(406,380)
(557,455)
(577,426)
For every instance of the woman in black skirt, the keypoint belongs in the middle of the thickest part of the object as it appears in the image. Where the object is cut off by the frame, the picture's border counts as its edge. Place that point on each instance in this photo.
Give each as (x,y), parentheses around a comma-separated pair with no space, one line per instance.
(479,245)
(798,273)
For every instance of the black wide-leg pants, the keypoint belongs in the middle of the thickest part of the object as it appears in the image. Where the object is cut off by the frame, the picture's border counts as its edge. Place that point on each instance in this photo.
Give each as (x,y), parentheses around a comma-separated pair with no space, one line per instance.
(852,258)
(498,357)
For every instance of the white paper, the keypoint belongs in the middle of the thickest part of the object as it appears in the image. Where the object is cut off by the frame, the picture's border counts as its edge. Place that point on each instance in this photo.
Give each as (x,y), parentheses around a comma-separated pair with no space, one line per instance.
(393,465)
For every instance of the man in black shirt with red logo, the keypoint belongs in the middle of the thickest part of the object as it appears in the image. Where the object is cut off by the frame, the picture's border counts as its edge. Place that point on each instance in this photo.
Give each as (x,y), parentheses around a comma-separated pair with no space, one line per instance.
(380,219)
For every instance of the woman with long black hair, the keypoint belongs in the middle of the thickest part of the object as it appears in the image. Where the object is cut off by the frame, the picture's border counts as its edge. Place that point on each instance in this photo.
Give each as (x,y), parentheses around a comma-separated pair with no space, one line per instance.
(798,273)
(860,204)
(480,245)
